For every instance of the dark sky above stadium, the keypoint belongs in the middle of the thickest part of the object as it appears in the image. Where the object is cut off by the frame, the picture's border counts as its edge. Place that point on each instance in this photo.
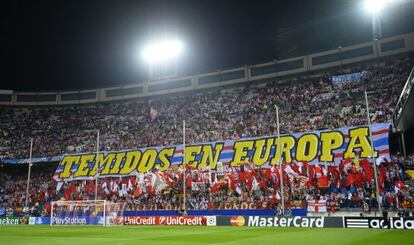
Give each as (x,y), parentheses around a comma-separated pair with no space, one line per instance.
(60,45)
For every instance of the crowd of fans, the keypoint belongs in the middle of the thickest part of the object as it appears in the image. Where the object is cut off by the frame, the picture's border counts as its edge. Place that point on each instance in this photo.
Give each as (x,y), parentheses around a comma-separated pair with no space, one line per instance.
(305,104)
(349,186)
(310,103)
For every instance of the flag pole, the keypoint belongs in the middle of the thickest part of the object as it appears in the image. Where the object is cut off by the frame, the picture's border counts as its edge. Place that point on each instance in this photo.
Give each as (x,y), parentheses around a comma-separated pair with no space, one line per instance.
(28,174)
(97,166)
(184,170)
(280,161)
(373,154)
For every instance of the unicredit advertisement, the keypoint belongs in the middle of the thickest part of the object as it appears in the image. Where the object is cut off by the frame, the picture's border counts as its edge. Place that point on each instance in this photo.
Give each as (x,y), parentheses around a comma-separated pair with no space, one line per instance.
(168,220)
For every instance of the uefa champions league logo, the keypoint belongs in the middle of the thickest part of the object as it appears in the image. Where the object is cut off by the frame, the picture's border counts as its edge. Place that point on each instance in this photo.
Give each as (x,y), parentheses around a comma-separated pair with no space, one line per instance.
(109,220)
(211,221)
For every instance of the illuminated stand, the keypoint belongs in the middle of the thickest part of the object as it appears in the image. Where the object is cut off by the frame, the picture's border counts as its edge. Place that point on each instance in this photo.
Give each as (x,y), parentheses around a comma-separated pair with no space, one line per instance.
(87,212)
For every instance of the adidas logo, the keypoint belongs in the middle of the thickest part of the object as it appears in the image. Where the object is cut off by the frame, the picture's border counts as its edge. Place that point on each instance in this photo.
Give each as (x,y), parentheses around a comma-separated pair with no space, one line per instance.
(357,223)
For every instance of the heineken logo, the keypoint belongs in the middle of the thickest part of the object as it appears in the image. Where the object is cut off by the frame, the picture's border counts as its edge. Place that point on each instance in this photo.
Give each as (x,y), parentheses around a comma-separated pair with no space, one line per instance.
(13,221)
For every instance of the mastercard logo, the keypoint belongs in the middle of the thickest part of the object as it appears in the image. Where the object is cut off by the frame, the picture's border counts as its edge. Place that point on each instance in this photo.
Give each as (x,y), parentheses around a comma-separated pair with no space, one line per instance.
(237,221)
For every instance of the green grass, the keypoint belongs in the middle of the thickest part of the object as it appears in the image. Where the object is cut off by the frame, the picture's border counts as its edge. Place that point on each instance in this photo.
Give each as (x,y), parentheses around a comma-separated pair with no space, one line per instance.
(31,235)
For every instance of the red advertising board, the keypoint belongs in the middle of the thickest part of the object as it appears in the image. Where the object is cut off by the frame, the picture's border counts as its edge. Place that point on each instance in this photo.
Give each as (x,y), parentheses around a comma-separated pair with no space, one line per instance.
(168,220)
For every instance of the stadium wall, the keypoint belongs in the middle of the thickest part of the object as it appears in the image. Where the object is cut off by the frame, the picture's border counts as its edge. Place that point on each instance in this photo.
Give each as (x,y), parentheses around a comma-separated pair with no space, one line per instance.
(387,47)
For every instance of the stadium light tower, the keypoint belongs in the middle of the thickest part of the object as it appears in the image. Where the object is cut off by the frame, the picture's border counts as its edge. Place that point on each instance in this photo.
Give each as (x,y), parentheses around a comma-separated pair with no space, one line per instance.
(375,6)
(162,51)
(162,57)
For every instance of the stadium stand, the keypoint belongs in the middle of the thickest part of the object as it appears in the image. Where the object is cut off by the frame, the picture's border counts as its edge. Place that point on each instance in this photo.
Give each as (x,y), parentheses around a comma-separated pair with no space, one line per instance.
(306,103)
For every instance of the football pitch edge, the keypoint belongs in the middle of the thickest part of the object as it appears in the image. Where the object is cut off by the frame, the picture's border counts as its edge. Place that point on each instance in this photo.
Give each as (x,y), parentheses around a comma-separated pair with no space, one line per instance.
(33,235)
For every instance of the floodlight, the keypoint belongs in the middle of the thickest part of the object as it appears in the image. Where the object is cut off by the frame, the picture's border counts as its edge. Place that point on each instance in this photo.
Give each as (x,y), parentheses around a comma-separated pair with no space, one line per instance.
(376,6)
(163,51)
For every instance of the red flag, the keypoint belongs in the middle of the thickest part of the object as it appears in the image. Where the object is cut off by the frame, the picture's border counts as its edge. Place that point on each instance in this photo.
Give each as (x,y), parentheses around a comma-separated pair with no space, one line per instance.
(72,187)
(215,187)
(189,181)
(350,179)
(334,172)
(323,182)
(295,167)
(268,174)
(305,166)
(243,176)
(91,187)
(262,184)
(352,170)
(383,171)
(311,171)
(137,191)
(359,180)
(400,184)
(368,169)
(381,183)
(67,195)
(42,196)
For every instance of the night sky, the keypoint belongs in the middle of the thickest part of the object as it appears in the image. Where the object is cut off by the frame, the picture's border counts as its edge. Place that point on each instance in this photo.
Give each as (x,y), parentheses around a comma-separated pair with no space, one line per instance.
(61,45)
